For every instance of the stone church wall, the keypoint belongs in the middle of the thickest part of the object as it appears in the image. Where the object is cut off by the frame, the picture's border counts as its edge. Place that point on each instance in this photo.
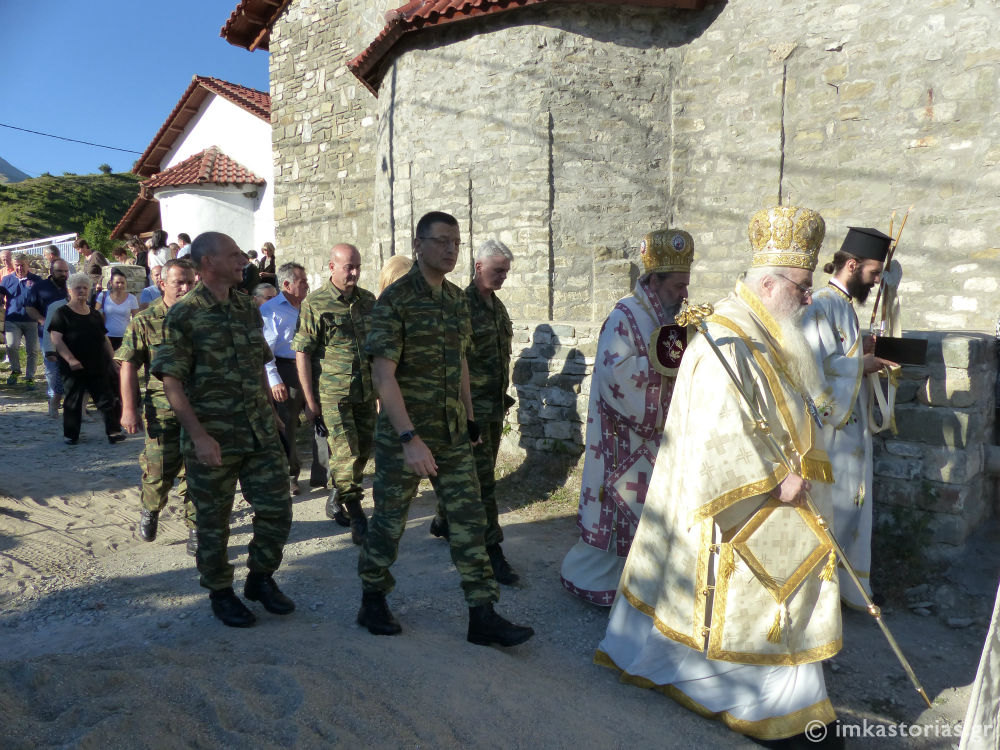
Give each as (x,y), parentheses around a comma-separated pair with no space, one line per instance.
(324,122)
(570,130)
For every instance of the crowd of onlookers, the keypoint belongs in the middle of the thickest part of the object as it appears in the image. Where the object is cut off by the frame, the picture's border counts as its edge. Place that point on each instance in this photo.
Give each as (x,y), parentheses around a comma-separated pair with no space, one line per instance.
(76,346)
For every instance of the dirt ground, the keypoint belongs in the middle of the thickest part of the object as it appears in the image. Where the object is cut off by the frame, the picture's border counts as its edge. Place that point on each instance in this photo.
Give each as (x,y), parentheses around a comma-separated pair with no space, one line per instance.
(107,641)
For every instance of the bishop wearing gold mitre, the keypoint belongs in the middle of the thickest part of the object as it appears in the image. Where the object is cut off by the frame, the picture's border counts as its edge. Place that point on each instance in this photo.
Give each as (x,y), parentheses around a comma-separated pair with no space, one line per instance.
(638,352)
(728,601)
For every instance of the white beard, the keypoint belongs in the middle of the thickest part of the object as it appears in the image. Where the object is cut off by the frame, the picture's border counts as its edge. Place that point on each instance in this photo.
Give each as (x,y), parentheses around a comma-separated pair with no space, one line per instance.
(799,359)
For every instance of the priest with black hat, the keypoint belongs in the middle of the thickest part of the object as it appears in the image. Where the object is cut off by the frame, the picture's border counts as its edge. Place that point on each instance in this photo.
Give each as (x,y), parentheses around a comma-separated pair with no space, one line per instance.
(833,332)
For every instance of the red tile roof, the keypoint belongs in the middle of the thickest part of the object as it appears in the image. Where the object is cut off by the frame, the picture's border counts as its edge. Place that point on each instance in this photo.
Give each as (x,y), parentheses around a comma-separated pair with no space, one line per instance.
(416,15)
(255,102)
(142,216)
(250,24)
(210,166)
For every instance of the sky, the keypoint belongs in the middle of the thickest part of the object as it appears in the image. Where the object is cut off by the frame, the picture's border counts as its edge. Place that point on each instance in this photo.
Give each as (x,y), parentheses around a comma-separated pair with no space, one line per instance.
(108,72)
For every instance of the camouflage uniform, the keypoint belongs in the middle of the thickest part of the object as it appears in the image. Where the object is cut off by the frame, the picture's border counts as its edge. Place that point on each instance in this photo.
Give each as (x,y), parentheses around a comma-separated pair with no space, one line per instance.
(426,332)
(489,378)
(217,350)
(332,330)
(161,461)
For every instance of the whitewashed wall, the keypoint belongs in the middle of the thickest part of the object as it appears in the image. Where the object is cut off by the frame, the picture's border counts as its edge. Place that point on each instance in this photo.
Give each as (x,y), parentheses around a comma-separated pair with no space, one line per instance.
(241,136)
(209,208)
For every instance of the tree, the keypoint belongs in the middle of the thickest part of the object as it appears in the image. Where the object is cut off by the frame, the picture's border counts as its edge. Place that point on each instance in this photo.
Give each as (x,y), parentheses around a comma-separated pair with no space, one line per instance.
(105,168)
(97,232)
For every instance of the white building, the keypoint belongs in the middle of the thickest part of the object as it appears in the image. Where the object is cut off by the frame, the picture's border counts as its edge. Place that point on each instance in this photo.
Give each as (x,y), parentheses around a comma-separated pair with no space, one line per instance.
(209,167)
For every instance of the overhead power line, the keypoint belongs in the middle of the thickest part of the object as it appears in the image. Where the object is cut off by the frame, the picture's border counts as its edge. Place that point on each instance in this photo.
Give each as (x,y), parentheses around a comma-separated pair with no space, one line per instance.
(71,140)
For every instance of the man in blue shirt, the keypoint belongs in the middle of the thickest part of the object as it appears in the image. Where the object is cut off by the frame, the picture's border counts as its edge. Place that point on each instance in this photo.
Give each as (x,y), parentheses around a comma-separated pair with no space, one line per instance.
(281,314)
(151,293)
(40,298)
(14,289)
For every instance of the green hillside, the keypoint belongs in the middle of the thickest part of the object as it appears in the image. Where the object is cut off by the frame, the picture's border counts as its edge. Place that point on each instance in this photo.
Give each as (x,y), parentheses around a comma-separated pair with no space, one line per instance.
(45,206)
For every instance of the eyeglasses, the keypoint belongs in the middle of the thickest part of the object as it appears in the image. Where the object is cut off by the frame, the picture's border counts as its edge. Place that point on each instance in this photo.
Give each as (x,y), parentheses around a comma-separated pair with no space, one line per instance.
(805,291)
(441,241)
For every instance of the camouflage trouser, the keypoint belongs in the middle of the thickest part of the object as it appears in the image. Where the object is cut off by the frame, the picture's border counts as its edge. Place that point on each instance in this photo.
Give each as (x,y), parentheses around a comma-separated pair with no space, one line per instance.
(352,430)
(162,462)
(263,475)
(458,489)
(485,455)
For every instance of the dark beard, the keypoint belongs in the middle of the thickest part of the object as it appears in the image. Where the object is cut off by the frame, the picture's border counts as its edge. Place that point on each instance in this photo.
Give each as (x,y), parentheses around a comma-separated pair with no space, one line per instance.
(857,289)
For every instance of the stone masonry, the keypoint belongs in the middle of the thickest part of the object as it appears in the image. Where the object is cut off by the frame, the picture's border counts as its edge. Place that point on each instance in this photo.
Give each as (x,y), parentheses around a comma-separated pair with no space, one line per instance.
(569,130)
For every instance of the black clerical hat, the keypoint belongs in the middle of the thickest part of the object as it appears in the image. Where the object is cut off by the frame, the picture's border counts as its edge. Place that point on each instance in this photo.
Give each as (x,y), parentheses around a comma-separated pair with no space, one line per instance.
(866,243)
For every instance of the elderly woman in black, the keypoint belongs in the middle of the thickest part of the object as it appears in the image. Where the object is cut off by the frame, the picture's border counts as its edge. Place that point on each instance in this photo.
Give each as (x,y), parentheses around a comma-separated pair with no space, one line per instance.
(85,361)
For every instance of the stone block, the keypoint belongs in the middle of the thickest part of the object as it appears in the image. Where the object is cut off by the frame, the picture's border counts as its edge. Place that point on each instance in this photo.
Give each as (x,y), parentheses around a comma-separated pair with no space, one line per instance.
(558,413)
(947,530)
(531,430)
(903,448)
(952,466)
(896,467)
(966,351)
(925,495)
(934,425)
(561,430)
(557,397)
(954,389)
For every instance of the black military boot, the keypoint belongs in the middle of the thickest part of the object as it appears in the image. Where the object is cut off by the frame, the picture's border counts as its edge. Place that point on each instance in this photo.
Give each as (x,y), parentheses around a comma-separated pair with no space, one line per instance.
(260,587)
(375,615)
(501,568)
(359,523)
(148,522)
(228,608)
(335,511)
(439,527)
(486,628)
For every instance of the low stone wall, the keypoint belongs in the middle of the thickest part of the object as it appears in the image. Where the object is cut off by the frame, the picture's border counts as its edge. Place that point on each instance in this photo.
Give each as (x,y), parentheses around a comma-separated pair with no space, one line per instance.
(551,365)
(931,478)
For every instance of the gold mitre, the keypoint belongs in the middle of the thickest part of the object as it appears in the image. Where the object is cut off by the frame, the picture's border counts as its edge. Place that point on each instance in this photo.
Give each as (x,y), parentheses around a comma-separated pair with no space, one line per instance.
(667,251)
(786,236)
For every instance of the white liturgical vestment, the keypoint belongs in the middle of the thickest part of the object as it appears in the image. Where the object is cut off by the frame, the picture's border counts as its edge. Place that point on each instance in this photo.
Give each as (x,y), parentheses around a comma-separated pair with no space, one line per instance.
(728,601)
(832,329)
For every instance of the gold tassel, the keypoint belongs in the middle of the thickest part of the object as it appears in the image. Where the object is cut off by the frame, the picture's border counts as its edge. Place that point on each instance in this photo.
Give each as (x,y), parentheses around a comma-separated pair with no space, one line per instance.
(816,466)
(830,568)
(727,565)
(774,634)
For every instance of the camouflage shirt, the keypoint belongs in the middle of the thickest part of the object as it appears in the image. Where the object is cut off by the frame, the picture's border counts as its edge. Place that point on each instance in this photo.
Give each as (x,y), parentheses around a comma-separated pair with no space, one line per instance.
(332,330)
(142,338)
(217,350)
(489,358)
(426,332)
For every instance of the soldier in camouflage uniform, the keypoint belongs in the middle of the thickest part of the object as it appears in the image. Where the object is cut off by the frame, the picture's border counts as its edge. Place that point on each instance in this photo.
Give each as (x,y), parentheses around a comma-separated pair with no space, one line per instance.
(161,461)
(419,338)
(333,323)
(489,378)
(212,366)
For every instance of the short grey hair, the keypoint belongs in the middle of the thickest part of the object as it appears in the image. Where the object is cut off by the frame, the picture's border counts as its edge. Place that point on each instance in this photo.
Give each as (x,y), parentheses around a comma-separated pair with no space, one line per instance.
(286,272)
(493,248)
(79,278)
(260,289)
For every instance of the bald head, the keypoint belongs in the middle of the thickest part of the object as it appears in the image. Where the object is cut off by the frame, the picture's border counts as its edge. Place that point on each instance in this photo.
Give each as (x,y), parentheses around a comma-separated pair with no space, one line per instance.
(218,258)
(207,243)
(345,267)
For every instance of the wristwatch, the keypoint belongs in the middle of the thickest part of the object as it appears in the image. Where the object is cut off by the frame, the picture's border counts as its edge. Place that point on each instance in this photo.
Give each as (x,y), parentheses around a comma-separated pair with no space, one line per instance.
(405,437)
